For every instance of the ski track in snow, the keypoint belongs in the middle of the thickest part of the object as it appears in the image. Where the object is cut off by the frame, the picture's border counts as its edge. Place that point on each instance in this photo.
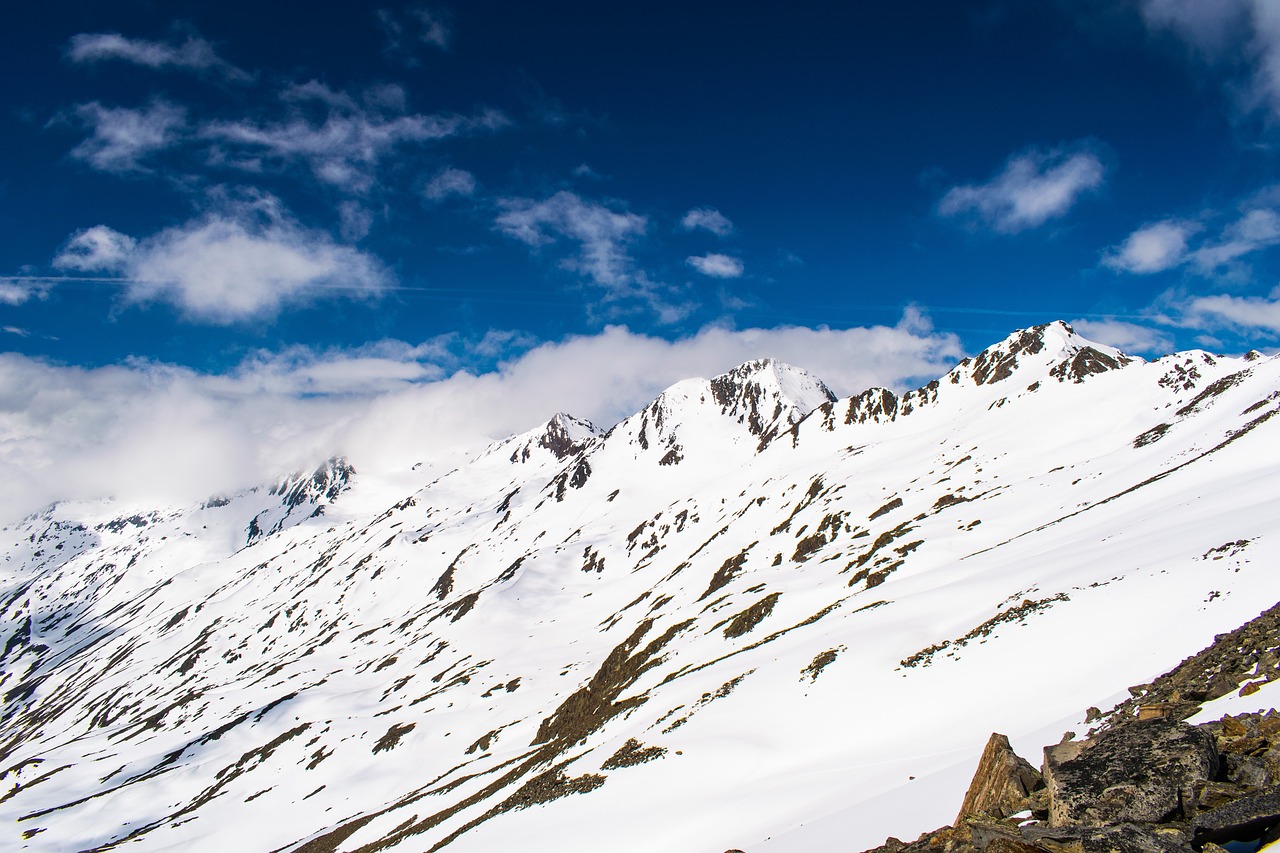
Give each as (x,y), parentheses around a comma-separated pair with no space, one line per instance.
(808,613)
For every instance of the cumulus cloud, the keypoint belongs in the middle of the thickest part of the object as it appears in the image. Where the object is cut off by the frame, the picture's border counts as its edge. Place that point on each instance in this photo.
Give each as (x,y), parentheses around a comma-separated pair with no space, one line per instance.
(345,148)
(708,219)
(1129,337)
(1032,188)
(121,138)
(716,265)
(242,264)
(154,432)
(193,54)
(450,182)
(1153,248)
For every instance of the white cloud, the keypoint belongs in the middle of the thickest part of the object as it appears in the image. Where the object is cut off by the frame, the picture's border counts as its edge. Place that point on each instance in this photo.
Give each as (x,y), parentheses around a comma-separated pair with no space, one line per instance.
(16,291)
(194,53)
(450,182)
(1153,248)
(1032,188)
(96,249)
(122,137)
(1240,313)
(708,219)
(1255,230)
(716,265)
(602,237)
(1230,33)
(602,234)
(155,432)
(345,149)
(246,263)
(1129,337)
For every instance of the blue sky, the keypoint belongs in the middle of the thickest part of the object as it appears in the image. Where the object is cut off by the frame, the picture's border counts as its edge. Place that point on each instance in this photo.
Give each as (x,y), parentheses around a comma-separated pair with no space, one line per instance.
(351,198)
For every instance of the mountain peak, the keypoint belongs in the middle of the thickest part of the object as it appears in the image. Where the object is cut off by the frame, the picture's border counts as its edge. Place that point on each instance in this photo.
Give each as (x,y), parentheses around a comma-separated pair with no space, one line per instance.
(1054,348)
(562,436)
(761,392)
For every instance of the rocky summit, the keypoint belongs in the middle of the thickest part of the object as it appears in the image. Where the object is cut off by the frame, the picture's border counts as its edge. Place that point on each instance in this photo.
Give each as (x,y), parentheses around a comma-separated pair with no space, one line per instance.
(752,615)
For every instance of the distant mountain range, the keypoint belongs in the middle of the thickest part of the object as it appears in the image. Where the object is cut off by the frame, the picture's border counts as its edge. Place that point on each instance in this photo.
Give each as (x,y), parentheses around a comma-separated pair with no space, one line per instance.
(751,615)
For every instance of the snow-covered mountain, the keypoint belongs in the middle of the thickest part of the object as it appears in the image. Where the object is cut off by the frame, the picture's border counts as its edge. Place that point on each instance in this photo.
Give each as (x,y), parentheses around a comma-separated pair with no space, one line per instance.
(751,615)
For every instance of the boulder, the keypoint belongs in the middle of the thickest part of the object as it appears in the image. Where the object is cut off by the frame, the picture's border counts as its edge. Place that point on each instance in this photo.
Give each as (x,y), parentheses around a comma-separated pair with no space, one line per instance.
(1001,784)
(1245,819)
(1142,772)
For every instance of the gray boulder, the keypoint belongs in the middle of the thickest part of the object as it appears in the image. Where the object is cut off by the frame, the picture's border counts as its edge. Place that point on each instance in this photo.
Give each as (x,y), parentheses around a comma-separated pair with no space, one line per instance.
(1143,772)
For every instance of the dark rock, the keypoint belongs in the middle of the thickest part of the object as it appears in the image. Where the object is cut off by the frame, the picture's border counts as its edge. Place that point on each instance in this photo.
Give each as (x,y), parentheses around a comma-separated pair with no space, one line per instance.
(1116,838)
(1012,845)
(1249,771)
(1243,820)
(1001,783)
(1143,772)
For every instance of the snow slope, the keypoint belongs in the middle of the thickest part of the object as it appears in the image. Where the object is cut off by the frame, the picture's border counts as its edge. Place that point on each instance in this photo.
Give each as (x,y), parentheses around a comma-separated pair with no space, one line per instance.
(750,615)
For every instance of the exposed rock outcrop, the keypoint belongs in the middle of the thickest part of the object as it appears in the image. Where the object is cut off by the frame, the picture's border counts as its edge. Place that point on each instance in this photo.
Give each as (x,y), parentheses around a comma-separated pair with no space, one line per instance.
(1002,784)
(1140,773)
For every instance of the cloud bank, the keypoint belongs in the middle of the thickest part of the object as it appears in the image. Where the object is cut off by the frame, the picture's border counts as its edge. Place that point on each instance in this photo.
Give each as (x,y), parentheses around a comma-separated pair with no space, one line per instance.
(156,432)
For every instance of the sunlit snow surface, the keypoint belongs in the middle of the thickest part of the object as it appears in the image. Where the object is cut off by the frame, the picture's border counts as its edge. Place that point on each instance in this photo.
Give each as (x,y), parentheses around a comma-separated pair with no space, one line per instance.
(1056,522)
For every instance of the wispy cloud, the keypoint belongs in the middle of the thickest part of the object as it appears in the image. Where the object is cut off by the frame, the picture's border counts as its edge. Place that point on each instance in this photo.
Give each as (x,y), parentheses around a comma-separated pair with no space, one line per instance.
(1033,187)
(245,263)
(1255,230)
(122,138)
(707,219)
(1153,248)
(17,291)
(416,26)
(192,54)
(1229,33)
(602,235)
(1248,314)
(716,265)
(450,182)
(345,148)
(1167,244)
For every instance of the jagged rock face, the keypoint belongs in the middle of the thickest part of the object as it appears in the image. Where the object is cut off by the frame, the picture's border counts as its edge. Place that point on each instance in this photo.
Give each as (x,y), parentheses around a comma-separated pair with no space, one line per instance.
(1001,784)
(1071,357)
(302,495)
(562,436)
(1142,772)
(765,393)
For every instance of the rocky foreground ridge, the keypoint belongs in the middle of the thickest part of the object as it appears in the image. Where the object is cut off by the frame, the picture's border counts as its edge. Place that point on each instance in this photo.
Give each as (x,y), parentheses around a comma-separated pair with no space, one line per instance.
(1144,781)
